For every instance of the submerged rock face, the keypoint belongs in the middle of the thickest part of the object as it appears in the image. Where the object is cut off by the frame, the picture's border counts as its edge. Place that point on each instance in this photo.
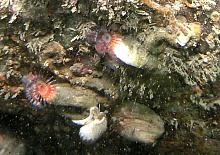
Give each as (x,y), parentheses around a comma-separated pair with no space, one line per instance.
(178,39)
(139,123)
(10,145)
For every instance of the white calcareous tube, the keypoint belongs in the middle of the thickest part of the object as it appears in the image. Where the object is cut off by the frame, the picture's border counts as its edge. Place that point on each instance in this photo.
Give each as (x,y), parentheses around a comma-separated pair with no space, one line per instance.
(93,127)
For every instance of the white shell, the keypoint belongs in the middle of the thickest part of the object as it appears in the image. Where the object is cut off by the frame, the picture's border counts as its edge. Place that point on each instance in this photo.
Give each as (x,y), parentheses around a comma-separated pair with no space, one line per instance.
(182,40)
(93,111)
(123,53)
(83,121)
(93,126)
(93,130)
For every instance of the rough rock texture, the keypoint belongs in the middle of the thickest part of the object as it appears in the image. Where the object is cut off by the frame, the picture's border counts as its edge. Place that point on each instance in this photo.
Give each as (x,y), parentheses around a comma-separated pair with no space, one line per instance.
(49,38)
(10,145)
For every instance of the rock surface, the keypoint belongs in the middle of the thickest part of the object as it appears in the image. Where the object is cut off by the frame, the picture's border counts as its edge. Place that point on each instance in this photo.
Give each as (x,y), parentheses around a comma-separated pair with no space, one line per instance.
(10,145)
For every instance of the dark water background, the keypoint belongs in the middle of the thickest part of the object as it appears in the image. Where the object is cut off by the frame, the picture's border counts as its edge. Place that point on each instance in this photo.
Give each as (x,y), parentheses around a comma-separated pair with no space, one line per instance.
(55,141)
